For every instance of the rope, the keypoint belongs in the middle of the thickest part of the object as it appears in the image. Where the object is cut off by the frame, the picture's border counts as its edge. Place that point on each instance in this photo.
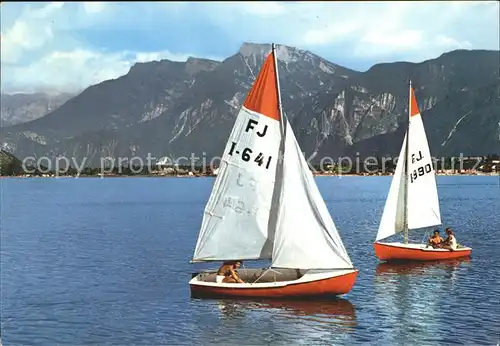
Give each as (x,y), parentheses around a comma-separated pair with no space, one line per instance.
(264,273)
(426,234)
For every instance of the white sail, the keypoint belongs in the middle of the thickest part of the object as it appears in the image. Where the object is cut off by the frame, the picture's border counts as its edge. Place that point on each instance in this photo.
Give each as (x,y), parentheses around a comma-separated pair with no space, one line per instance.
(423,201)
(306,236)
(235,222)
(393,216)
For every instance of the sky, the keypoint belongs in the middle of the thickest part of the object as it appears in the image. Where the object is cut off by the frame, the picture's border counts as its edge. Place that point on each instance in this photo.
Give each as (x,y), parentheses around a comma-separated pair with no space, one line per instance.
(57,46)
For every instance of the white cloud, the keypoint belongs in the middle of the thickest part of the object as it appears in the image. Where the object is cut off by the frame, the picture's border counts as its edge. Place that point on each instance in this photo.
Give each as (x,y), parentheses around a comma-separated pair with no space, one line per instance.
(451,43)
(45,45)
(70,71)
(30,32)
(64,71)
(94,6)
(22,37)
(61,63)
(46,11)
(412,31)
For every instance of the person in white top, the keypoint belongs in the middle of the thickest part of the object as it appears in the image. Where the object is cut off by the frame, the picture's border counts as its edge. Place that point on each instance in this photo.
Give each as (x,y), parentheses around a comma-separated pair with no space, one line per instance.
(450,242)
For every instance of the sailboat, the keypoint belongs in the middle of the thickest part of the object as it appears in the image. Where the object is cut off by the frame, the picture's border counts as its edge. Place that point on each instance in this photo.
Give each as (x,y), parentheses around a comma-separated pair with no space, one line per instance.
(412,202)
(265,205)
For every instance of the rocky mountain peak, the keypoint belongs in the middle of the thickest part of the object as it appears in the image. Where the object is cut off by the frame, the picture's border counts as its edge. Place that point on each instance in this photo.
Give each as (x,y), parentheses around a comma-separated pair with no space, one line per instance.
(196,65)
(145,67)
(284,53)
(249,49)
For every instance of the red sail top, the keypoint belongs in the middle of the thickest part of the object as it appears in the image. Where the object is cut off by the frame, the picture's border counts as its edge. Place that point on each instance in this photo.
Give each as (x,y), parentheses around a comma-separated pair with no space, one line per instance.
(263,97)
(413,104)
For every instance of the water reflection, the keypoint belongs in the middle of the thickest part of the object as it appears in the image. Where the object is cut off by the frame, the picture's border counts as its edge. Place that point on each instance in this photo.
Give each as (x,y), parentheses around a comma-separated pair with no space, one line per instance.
(336,307)
(402,289)
(289,321)
(230,310)
(419,268)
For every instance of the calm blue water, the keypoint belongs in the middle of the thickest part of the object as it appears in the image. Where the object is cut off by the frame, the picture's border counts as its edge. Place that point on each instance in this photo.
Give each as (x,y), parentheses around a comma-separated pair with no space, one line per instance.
(106,261)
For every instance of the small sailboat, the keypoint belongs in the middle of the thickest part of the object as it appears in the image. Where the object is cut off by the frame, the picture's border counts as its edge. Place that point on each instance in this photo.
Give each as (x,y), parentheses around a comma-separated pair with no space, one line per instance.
(412,202)
(265,205)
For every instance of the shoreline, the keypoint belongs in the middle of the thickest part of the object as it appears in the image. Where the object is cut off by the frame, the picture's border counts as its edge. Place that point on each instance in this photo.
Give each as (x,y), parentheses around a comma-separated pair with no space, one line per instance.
(213,176)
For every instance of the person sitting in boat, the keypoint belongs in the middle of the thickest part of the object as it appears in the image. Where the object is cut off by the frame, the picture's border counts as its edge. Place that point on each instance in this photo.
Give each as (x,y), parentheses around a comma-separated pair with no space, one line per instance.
(450,242)
(227,272)
(435,241)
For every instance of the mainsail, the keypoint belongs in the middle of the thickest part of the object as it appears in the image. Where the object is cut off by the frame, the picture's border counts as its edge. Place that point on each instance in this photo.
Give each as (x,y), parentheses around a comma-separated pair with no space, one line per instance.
(422,202)
(235,221)
(265,203)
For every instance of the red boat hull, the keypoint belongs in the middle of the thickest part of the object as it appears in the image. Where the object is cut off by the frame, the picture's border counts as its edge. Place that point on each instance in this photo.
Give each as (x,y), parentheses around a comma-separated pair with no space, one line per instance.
(404,252)
(333,286)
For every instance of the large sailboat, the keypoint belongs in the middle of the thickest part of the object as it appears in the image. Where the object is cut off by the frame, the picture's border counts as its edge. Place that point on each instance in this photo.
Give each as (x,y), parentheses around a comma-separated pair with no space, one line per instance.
(412,202)
(265,205)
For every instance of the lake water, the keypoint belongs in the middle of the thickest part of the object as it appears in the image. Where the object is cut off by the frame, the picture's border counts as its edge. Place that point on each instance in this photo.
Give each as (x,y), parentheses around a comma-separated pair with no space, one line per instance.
(106,261)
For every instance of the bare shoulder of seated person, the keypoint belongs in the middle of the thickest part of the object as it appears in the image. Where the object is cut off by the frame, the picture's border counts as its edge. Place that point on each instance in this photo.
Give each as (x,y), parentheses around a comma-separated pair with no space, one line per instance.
(435,240)
(226,266)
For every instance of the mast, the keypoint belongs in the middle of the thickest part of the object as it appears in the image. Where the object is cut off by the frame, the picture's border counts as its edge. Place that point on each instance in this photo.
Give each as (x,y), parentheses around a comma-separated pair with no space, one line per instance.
(405,199)
(278,177)
(282,122)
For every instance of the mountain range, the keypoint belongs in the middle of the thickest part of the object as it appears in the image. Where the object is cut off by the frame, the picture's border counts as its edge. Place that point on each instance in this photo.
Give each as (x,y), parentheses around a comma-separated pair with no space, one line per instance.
(21,108)
(174,109)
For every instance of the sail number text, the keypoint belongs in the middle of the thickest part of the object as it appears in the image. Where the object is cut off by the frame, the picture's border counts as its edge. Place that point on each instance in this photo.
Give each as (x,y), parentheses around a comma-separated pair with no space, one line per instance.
(246,153)
(238,206)
(420,171)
